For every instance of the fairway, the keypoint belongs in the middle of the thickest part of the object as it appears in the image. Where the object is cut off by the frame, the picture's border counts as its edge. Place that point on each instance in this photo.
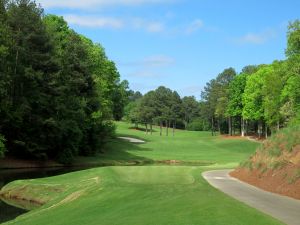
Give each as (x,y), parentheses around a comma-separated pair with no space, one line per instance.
(167,194)
(190,147)
(135,195)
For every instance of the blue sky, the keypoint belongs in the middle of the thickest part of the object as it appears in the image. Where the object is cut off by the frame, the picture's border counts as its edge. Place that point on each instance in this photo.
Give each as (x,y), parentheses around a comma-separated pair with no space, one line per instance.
(181,44)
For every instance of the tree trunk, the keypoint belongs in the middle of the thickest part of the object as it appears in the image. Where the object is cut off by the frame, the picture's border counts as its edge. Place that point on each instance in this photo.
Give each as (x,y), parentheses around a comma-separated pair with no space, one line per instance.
(233,125)
(259,130)
(229,126)
(212,126)
(146,128)
(242,127)
(278,125)
(266,130)
(174,124)
(160,125)
(151,128)
(219,126)
(167,130)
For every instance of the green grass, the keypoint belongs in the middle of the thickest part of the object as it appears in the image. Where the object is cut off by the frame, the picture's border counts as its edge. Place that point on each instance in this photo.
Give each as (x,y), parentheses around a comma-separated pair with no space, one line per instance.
(136,195)
(187,146)
(148,195)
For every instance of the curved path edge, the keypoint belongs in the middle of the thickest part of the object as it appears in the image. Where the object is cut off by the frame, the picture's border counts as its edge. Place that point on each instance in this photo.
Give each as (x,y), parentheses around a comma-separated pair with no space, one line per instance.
(280,207)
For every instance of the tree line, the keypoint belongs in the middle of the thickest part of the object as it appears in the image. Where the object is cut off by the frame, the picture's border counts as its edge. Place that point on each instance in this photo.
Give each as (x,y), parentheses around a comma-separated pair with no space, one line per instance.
(258,101)
(59,93)
(162,107)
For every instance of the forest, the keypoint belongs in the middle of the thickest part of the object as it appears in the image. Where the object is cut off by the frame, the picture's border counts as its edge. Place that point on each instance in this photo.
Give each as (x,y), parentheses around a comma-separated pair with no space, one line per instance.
(60,93)
(259,100)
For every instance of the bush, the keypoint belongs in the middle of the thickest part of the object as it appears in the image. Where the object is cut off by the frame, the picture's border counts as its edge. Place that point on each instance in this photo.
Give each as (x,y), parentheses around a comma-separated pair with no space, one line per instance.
(198,125)
(2,146)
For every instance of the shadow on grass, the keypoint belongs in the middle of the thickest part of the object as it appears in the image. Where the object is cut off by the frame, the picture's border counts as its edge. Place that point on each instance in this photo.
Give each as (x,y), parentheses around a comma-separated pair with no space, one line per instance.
(141,129)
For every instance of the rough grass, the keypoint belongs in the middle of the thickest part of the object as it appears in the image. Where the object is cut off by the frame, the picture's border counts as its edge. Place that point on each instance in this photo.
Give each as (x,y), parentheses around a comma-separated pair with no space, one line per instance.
(136,195)
(276,152)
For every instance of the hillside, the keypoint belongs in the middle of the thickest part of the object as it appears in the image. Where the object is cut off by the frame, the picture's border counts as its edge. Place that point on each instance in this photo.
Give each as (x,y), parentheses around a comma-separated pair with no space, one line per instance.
(275,166)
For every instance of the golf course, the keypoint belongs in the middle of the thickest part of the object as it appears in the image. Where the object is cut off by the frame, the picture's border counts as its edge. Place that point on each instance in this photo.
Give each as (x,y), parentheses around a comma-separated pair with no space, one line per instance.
(169,189)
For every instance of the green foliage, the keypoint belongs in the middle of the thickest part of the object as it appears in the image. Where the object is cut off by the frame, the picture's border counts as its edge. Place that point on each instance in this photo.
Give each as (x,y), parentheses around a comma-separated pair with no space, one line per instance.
(191,109)
(293,37)
(287,138)
(271,91)
(58,90)
(198,125)
(2,146)
(253,96)
(236,91)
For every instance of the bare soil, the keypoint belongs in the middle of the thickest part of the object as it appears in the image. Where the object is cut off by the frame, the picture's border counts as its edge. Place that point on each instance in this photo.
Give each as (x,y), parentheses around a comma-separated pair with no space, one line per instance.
(283,181)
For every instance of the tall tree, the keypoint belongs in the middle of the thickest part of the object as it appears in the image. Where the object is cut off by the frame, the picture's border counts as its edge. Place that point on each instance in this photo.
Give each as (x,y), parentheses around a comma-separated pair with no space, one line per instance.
(235,103)
(253,96)
(190,108)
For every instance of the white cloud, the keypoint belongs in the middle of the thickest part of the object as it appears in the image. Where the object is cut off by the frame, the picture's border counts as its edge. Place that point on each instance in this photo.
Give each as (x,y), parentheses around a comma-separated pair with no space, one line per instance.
(256,38)
(90,21)
(158,61)
(115,23)
(92,4)
(194,26)
(149,26)
(155,27)
(145,73)
(154,61)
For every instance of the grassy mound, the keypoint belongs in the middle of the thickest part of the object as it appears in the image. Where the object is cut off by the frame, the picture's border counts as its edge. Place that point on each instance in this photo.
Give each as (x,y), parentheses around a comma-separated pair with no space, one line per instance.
(276,164)
(131,195)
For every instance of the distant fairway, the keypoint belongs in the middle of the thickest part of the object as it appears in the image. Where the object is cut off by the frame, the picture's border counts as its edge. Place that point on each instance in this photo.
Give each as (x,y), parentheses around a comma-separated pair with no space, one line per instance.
(188,146)
(144,195)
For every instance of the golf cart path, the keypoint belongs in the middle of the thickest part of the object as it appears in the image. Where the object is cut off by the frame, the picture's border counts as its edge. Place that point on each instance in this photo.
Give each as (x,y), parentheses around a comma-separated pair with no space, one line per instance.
(280,207)
(132,140)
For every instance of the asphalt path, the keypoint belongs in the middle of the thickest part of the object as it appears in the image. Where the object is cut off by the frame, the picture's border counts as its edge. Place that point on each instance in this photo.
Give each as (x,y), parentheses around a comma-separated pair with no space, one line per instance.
(280,207)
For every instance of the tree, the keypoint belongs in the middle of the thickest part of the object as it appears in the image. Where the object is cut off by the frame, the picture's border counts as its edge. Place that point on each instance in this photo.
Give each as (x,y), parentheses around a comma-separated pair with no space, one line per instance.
(209,97)
(271,91)
(2,146)
(190,108)
(293,37)
(215,95)
(58,90)
(253,96)
(235,103)
(250,69)
(147,110)
(31,69)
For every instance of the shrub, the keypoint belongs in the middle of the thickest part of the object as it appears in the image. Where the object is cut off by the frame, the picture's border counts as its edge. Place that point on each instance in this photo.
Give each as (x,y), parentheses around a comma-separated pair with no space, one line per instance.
(2,146)
(278,164)
(247,164)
